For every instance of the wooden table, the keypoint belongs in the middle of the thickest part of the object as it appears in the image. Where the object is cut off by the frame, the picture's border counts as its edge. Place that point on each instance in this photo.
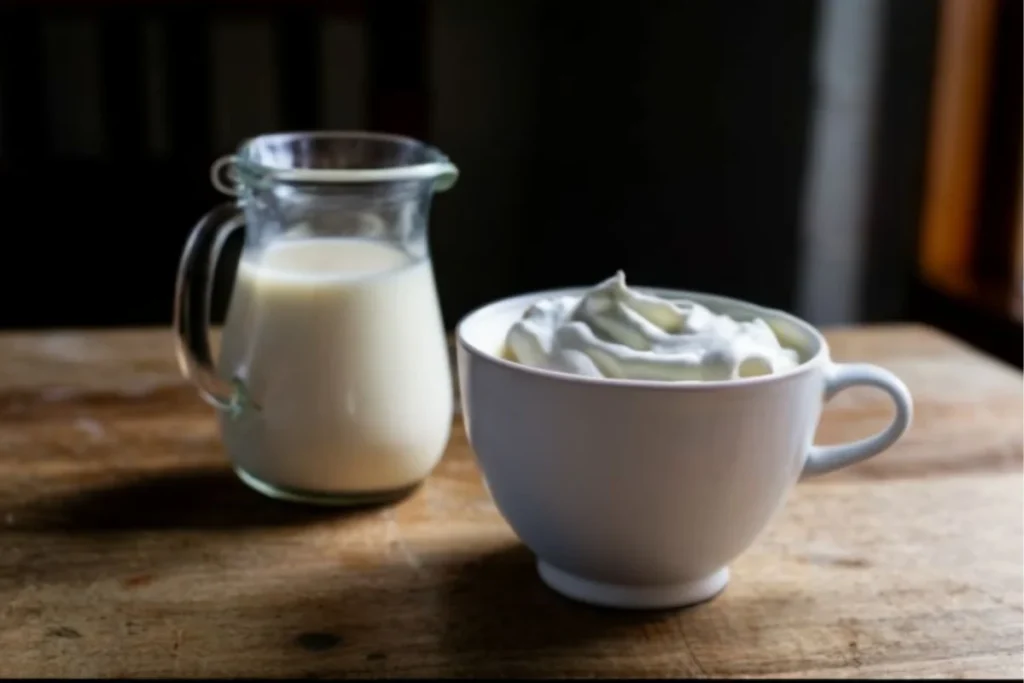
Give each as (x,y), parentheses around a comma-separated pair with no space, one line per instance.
(127,548)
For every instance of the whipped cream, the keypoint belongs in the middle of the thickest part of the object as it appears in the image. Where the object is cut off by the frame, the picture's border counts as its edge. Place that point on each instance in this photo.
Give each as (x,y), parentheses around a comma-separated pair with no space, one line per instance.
(613,331)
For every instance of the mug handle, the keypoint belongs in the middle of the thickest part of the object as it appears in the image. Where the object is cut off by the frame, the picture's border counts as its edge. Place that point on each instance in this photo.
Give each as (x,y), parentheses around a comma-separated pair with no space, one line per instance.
(192,293)
(839,376)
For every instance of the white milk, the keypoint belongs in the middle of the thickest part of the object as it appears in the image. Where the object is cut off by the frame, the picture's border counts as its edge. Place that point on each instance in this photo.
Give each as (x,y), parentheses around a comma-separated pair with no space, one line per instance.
(341,345)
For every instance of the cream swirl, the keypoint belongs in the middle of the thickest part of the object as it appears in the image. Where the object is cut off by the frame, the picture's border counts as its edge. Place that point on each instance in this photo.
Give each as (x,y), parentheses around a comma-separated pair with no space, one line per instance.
(615,332)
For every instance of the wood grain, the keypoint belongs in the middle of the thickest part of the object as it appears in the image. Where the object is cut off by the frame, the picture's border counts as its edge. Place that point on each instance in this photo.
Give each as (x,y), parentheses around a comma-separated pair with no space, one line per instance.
(127,548)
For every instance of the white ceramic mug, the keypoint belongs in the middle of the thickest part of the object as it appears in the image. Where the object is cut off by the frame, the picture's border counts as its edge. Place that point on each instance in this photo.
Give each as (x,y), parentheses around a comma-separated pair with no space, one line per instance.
(638,494)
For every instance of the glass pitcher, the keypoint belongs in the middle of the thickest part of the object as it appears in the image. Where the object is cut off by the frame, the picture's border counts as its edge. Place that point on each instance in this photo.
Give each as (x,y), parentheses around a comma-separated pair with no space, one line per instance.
(332,382)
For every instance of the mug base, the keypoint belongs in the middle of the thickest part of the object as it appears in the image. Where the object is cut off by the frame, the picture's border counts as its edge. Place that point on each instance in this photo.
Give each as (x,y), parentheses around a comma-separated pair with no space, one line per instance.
(633,597)
(325,499)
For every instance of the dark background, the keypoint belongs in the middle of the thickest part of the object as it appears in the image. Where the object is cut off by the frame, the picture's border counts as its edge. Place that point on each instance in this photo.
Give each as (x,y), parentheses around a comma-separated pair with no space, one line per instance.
(671,139)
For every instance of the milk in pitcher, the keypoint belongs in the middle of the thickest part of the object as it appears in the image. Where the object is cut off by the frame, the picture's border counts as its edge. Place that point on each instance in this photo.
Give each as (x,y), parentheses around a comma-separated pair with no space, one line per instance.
(340,345)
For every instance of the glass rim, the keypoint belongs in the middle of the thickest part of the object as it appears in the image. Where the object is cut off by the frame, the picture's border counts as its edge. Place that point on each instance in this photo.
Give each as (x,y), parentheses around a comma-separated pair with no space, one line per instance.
(438,165)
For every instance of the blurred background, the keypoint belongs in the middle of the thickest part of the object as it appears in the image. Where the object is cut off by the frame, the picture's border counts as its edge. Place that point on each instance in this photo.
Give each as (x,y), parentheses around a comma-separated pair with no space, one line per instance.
(848,160)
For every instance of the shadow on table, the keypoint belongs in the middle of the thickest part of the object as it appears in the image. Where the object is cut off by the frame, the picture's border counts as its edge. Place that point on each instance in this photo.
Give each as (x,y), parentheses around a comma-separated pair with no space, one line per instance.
(204,499)
(393,608)
(447,615)
(501,619)
(139,529)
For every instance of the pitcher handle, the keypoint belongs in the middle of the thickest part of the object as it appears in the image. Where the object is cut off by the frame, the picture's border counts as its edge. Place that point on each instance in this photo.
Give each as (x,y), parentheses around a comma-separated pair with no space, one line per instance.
(192,294)
(839,376)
